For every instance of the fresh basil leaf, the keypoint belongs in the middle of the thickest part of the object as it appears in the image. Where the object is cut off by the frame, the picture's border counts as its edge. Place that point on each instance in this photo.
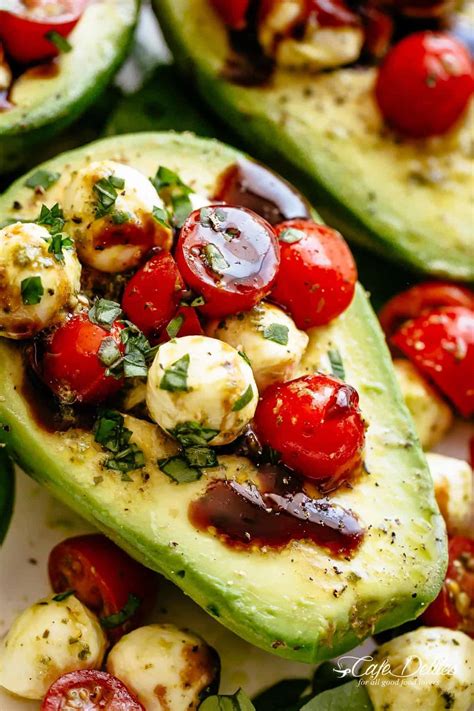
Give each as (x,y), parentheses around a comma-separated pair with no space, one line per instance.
(119,217)
(51,218)
(350,697)
(111,433)
(119,618)
(281,696)
(63,595)
(182,207)
(174,192)
(175,378)
(106,192)
(198,301)
(42,179)
(192,433)
(337,366)
(58,243)
(276,332)
(291,235)
(104,313)
(214,258)
(237,702)
(244,355)
(108,430)
(174,326)
(166,178)
(109,352)
(201,457)
(32,290)
(134,365)
(161,216)
(126,460)
(178,469)
(60,42)
(213,218)
(243,400)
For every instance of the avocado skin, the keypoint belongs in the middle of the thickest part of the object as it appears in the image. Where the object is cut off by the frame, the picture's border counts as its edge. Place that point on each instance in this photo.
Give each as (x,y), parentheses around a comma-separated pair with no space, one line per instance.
(304,620)
(274,144)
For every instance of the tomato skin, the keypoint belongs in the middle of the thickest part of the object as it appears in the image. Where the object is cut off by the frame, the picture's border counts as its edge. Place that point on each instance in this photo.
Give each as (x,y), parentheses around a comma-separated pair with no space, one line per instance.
(424,84)
(252,256)
(101,575)
(93,690)
(232,12)
(191,325)
(70,363)
(152,295)
(440,343)
(411,303)
(443,611)
(315,424)
(317,274)
(24,35)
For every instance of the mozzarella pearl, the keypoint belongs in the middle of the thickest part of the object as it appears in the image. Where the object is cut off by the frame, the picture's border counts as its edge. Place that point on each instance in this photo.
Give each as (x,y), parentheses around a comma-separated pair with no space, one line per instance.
(118,240)
(165,667)
(23,254)
(217,381)
(268,337)
(47,640)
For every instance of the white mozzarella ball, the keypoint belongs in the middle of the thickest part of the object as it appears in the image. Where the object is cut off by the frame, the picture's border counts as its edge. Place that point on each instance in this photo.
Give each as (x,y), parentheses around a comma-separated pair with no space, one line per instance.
(165,667)
(36,288)
(116,239)
(202,380)
(453,484)
(268,337)
(49,639)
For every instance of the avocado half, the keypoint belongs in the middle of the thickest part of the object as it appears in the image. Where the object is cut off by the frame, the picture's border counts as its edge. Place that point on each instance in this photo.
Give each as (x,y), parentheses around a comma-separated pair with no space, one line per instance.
(411,201)
(47,98)
(298,602)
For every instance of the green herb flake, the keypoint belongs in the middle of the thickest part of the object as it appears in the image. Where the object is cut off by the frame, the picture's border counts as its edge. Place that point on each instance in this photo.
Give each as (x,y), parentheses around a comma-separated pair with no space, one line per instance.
(51,218)
(276,332)
(244,355)
(237,702)
(243,400)
(109,352)
(126,613)
(32,290)
(201,457)
(178,469)
(119,217)
(106,192)
(174,192)
(214,258)
(161,216)
(337,366)
(198,301)
(42,179)
(182,207)
(58,243)
(60,42)
(291,235)
(104,313)
(174,326)
(192,433)
(112,435)
(175,378)
(63,595)
(134,365)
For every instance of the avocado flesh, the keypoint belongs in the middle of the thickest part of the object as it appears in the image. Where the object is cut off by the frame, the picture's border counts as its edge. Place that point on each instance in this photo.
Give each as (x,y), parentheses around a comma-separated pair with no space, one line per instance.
(46,100)
(294,601)
(409,201)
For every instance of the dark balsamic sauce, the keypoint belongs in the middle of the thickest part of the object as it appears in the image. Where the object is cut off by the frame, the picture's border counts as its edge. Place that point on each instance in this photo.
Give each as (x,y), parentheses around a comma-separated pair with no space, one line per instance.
(274,512)
(249,184)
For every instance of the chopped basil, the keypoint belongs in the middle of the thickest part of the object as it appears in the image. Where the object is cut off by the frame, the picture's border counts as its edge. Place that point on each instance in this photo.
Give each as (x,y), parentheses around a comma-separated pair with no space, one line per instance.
(192,433)
(276,332)
(63,595)
(178,469)
(106,191)
(214,258)
(134,365)
(173,191)
(243,400)
(201,457)
(118,618)
(291,235)
(109,352)
(104,313)
(51,218)
(58,243)
(182,207)
(32,290)
(337,366)
(119,217)
(244,355)
(110,432)
(174,326)
(42,179)
(198,301)
(213,218)
(237,702)
(175,377)
(59,41)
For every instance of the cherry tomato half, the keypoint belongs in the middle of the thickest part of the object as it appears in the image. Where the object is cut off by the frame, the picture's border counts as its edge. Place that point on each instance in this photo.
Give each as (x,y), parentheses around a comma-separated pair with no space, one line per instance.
(412,302)
(424,84)
(25,33)
(440,344)
(228,255)
(89,690)
(454,606)
(314,422)
(317,274)
(152,295)
(102,576)
(233,12)
(72,365)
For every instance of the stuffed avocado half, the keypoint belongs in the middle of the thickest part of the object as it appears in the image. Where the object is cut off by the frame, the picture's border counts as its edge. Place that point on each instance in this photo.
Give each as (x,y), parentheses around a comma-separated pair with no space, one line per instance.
(46,97)
(297,601)
(409,200)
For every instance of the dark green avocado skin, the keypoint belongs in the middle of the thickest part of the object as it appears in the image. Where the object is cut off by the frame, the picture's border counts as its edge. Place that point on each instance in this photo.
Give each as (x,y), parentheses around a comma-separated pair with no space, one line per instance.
(417,250)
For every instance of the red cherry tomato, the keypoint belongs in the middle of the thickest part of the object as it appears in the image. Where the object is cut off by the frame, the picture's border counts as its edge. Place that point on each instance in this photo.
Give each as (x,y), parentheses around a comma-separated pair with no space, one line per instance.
(424,84)
(412,302)
(89,690)
(440,344)
(187,322)
(314,422)
(102,576)
(230,256)
(25,33)
(454,606)
(71,364)
(152,295)
(317,275)
(233,12)
(331,13)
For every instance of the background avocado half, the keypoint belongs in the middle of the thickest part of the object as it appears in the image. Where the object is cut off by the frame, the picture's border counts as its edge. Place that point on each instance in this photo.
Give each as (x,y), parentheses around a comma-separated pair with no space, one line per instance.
(47,98)
(409,201)
(298,602)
